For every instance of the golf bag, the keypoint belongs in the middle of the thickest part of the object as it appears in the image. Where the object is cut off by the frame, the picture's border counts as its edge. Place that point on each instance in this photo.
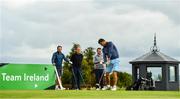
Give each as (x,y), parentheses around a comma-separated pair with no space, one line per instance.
(143,83)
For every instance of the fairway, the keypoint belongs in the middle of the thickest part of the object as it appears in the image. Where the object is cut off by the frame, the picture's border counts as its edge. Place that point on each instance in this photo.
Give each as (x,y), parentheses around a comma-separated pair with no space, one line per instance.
(81,94)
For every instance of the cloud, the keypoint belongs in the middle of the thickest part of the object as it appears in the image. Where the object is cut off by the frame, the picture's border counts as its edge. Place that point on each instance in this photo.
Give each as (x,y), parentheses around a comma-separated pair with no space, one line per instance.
(166,6)
(16,3)
(30,31)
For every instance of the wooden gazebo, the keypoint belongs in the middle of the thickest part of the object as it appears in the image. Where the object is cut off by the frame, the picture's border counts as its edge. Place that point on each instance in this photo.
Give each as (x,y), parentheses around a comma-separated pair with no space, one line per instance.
(164,69)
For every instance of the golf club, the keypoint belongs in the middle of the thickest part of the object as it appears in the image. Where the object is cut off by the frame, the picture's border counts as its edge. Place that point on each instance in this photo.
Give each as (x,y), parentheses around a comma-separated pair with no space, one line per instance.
(82,78)
(80,75)
(104,71)
(74,77)
(60,84)
(101,77)
(73,73)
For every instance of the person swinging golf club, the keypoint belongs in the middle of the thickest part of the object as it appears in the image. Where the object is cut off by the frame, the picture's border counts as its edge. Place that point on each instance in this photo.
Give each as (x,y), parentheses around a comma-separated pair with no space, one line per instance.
(111,57)
(57,59)
(76,60)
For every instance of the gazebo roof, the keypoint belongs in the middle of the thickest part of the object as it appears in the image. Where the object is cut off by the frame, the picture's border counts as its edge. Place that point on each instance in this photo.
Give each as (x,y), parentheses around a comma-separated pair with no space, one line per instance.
(155,56)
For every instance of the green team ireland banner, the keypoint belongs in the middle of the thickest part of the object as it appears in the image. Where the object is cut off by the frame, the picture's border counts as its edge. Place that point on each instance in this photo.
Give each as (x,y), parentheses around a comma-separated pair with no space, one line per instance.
(26,76)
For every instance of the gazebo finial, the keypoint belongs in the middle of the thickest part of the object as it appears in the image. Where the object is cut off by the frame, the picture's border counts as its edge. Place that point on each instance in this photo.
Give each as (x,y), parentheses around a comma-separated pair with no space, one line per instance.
(154,48)
(155,39)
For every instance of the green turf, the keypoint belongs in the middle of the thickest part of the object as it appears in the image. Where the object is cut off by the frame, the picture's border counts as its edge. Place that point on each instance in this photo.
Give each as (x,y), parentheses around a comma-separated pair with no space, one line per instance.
(81,94)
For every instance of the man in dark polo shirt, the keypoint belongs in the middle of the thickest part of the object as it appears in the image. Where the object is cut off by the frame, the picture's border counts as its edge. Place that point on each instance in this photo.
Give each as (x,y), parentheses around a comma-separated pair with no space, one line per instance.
(111,57)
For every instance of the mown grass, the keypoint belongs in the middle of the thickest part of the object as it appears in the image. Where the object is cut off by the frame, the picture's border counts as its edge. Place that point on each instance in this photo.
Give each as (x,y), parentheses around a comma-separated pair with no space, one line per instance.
(91,94)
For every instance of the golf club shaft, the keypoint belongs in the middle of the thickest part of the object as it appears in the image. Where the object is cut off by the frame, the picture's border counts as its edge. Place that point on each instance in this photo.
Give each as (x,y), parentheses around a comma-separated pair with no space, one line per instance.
(74,77)
(101,76)
(82,78)
(57,76)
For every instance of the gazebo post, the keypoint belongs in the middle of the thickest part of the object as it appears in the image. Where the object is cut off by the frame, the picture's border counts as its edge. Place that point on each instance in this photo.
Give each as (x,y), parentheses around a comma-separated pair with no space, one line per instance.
(177,75)
(134,73)
(165,76)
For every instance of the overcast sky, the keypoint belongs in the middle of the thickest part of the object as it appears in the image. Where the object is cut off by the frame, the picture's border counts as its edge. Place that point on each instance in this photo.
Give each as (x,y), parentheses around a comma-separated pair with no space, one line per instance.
(30,30)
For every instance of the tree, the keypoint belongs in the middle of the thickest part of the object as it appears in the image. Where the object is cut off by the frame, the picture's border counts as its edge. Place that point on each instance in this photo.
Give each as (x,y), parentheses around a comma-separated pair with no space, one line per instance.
(88,66)
(124,80)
